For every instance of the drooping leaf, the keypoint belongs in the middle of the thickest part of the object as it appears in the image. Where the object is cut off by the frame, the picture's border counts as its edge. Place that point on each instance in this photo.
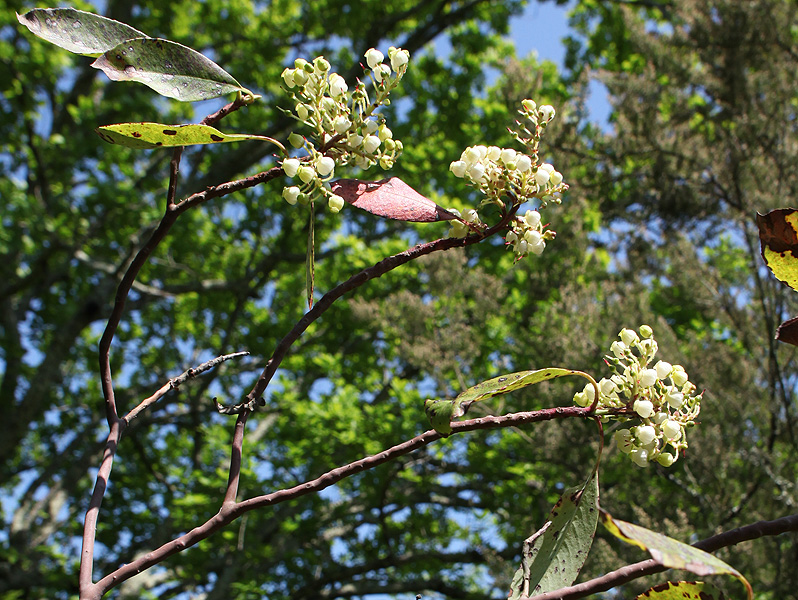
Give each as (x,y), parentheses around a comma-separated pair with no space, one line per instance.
(169,68)
(158,135)
(554,555)
(778,238)
(310,259)
(442,412)
(78,31)
(682,590)
(671,553)
(390,198)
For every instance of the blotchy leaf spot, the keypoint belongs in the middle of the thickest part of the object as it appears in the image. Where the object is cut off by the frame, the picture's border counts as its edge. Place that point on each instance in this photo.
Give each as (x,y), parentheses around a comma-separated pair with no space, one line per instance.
(157,135)
(78,31)
(682,590)
(171,69)
(671,553)
(390,198)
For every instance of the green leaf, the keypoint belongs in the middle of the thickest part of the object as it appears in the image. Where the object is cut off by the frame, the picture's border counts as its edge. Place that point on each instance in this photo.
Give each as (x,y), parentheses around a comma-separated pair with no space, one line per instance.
(671,553)
(553,556)
(310,266)
(683,590)
(158,135)
(171,69)
(78,31)
(441,412)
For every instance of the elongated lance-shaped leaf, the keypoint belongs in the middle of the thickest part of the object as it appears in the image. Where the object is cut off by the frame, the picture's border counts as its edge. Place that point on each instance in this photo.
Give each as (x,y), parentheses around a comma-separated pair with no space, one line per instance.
(78,31)
(310,260)
(683,590)
(442,412)
(158,135)
(671,553)
(553,556)
(171,69)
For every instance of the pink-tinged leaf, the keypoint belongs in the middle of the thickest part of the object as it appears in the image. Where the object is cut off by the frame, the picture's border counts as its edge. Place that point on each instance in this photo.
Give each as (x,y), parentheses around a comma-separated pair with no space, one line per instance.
(390,198)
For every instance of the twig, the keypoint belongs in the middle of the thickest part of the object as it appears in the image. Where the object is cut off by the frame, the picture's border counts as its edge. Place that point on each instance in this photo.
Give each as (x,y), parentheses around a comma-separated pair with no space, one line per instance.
(650,566)
(175,383)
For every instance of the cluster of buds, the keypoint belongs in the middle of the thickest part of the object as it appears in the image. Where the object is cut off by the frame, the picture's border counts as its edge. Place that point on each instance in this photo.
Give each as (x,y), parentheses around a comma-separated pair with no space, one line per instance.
(660,398)
(504,173)
(345,129)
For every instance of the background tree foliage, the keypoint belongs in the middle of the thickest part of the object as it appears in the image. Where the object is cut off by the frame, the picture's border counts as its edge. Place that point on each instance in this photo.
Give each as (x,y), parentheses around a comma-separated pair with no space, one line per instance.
(658,228)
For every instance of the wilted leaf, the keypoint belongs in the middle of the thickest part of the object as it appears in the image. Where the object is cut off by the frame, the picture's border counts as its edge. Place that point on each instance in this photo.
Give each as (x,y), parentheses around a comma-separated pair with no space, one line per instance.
(77,31)
(310,260)
(441,412)
(778,238)
(683,590)
(390,198)
(171,69)
(671,553)
(553,557)
(158,135)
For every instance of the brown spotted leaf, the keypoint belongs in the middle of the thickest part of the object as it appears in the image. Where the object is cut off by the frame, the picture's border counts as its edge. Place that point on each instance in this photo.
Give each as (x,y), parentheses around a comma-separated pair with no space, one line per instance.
(682,590)
(158,135)
(390,198)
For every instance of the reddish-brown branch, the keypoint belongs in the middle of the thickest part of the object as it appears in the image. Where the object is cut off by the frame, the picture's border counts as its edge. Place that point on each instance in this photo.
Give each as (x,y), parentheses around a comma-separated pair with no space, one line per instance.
(377,270)
(230,512)
(651,567)
(236,453)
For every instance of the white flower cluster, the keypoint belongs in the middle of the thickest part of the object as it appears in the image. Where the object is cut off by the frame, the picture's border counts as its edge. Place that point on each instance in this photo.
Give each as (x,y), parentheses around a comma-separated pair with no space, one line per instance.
(345,128)
(504,173)
(660,397)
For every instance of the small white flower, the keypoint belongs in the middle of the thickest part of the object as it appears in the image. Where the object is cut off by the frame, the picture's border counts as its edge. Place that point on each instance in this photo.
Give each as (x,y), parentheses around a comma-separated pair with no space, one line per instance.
(646,331)
(542,177)
(471,216)
(555,178)
(674,399)
(523,163)
(374,57)
(508,155)
(663,369)
(371,143)
(533,236)
(644,408)
(537,249)
(291,194)
(639,456)
(546,113)
(335,203)
(646,434)
(325,166)
(618,348)
(476,172)
(338,85)
(288,77)
(302,111)
(385,133)
(532,218)
(341,124)
(370,127)
(547,167)
(306,174)
(529,105)
(399,58)
(511,237)
(494,153)
(381,72)
(291,166)
(628,336)
(458,167)
(672,429)
(679,375)
(648,377)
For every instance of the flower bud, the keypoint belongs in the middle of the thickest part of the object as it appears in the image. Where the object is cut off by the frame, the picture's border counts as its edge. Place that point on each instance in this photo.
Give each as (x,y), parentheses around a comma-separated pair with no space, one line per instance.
(288,77)
(374,57)
(306,174)
(296,140)
(325,166)
(291,166)
(618,349)
(644,408)
(674,399)
(371,143)
(529,105)
(546,113)
(679,376)
(542,177)
(672,429)
(666,459)
(628,336)
(291,194)
(523,163)
(320,65)
(639,457)
(338,85)
(647,377)
(646,434)
(646,331)
(300,77)
(458,167)
(508,155)
(385,133)
(532,218)
(302,111)
(335,203)
(663,369)
(555,178)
